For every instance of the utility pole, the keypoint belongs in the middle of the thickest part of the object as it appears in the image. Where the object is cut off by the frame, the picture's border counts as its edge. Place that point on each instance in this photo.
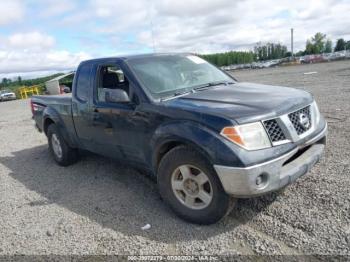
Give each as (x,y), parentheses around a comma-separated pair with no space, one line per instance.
(292,41)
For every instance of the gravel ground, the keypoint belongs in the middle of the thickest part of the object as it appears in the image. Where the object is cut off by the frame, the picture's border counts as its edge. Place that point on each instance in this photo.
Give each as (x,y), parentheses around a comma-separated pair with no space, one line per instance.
(99,207)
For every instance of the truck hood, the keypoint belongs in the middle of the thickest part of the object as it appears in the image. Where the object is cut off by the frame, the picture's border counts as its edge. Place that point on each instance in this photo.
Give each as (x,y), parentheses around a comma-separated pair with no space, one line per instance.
(244,102)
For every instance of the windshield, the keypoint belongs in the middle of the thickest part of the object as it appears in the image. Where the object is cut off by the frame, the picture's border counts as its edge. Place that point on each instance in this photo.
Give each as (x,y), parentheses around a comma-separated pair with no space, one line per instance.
(168,75)
(5,91)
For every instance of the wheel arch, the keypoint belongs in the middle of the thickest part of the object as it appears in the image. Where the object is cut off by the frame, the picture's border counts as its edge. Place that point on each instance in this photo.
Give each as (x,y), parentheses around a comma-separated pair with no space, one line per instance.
(51,116)
(170,144)
(47,122)
(179,133)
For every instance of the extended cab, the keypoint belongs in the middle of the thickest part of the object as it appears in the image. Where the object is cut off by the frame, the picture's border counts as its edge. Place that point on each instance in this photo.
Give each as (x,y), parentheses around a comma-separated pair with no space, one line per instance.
(206,137)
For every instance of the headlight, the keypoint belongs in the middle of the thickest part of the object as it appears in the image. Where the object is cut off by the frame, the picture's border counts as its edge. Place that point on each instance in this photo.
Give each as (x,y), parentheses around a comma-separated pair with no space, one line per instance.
(317,114)
(249,136)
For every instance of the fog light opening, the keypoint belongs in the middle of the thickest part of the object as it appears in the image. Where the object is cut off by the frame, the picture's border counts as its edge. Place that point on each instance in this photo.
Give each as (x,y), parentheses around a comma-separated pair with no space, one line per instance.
(261,180)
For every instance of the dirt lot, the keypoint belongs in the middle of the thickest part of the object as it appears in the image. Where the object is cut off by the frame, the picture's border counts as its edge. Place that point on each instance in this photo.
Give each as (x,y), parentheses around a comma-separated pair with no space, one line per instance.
(99,207)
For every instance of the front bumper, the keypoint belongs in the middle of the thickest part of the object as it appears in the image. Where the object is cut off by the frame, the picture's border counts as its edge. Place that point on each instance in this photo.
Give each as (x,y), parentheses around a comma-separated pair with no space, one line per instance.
(272,175)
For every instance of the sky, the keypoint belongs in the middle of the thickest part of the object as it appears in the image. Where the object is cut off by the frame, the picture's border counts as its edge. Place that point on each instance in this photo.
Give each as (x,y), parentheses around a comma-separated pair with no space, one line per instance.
(38,37)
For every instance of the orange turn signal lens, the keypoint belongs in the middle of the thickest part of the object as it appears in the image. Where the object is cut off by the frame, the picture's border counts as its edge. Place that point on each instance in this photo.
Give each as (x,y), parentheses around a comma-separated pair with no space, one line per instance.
(232,134)
(251,136)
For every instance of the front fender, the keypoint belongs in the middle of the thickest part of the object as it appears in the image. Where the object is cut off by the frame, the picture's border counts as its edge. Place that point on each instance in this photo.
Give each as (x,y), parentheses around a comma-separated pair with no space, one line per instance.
(208,142)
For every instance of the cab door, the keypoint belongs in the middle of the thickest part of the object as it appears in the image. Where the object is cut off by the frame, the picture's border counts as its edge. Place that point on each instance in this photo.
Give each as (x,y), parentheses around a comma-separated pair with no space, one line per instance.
(81,107)
(119,127)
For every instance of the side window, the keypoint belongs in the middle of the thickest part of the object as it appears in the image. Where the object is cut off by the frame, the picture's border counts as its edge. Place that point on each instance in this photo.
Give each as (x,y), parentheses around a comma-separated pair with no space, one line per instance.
(110,77)
(83,82)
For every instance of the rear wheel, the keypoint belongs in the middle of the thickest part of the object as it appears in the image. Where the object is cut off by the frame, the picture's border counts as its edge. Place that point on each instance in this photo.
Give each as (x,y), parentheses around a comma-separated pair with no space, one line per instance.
(190,186)
(63,154)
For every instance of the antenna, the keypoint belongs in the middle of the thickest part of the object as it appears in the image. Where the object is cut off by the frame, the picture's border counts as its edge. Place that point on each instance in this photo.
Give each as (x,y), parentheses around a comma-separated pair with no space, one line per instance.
(151,23)
(292,41)
(152,32)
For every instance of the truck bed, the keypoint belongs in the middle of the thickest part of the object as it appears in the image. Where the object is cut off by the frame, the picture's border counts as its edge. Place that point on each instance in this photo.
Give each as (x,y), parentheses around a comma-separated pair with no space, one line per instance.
(59,106)
(65,99)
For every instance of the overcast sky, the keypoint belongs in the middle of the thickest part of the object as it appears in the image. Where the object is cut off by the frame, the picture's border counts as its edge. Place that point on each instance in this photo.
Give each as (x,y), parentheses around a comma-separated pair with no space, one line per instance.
(48,35)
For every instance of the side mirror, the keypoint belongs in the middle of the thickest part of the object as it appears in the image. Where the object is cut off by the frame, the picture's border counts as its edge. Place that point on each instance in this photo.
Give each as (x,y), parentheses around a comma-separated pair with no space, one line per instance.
(117,96)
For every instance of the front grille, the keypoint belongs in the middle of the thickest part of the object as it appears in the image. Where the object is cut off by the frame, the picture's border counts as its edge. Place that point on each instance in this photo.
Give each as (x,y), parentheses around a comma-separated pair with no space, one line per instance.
(295,118)
(274,130)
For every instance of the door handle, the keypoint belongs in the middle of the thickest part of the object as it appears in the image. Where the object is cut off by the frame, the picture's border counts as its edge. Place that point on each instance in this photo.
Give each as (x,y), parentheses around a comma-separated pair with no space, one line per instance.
(138,114)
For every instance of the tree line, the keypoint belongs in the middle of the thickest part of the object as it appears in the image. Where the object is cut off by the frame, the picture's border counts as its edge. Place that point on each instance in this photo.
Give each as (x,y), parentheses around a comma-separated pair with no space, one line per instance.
(317,44)
(230,58)
(342,45)
(270,51)
(261,52)
(17,82)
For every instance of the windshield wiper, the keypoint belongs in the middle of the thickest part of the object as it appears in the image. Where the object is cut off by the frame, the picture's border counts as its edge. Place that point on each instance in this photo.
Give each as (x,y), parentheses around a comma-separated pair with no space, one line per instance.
(198,88)
(182,93)
(210,84)
(177,94)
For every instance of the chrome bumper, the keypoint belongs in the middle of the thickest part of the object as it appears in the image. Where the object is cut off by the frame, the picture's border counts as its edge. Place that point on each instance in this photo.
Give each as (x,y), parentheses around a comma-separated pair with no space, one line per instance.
(272,175)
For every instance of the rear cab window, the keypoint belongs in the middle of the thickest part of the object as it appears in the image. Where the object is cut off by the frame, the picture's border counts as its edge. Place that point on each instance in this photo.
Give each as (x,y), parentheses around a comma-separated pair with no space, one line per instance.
(83,82)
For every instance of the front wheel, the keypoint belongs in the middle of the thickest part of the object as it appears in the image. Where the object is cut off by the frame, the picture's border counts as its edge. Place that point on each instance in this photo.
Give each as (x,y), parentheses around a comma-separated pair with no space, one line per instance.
(190,186)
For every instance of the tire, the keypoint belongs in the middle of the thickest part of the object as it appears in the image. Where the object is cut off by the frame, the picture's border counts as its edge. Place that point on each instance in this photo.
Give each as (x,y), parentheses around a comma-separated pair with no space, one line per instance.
(179,190)
(62,153)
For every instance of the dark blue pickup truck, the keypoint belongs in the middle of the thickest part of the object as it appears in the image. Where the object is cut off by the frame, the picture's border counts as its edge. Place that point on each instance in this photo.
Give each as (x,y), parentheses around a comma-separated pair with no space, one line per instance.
(206,137)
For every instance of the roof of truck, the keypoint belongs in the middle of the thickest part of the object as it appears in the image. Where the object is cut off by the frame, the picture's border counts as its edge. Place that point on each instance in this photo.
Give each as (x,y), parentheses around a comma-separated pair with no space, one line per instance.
(127,57)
